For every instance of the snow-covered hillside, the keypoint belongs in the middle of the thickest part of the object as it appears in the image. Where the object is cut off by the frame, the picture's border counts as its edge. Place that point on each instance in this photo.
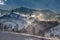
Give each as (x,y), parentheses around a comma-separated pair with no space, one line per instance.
(4,12)
(53,31)
(13,20)
(29,18)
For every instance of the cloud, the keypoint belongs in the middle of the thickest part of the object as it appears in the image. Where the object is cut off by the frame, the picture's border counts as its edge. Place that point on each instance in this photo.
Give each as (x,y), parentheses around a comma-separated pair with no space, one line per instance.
(2,2)
(5,0)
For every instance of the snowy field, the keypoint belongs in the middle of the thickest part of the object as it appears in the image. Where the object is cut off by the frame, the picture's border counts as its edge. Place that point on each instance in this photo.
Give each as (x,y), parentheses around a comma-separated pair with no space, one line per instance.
(21,36)
(13,36)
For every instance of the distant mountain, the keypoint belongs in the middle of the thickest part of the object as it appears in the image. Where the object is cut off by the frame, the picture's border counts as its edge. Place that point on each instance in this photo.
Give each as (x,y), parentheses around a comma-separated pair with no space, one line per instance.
(46,10)
(13,16)
(4,12)
(24,10)
(22,13)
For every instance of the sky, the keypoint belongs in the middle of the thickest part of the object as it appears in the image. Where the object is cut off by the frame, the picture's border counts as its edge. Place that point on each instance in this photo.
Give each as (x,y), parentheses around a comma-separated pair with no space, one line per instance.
(33,4)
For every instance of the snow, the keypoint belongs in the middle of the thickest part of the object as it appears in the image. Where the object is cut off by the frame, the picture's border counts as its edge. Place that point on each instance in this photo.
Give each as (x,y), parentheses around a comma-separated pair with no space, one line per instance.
(23,20)
(21,36)
(13,36)
(55,31)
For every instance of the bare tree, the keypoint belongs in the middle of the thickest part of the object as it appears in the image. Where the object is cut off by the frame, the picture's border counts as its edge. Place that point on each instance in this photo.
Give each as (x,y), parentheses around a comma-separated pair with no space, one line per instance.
(41,33)
(33,31)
